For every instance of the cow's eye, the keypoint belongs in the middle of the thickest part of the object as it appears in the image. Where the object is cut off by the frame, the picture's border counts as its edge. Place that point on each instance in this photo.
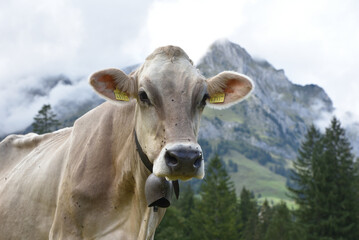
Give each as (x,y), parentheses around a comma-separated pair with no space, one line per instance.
(144,98)
(204,99)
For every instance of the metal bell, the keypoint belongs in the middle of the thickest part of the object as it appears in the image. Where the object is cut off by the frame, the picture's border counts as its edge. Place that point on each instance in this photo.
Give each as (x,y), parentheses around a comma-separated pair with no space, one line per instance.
(158,191)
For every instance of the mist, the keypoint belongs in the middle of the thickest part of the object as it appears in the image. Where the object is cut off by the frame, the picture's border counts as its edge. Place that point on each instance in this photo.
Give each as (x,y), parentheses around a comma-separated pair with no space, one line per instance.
(69,38)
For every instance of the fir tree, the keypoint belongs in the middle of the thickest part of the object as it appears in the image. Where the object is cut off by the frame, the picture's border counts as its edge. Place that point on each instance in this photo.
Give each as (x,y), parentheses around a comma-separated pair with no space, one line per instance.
(45,121)
(186,200)
(176,224)
(214,216)
(338,205)
(264,218)
(325,177)
(302,176)
(281,226)
(248,215)
(171,227)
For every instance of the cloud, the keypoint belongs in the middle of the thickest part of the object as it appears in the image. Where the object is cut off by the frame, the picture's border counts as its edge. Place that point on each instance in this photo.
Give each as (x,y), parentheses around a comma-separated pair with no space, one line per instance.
(21,113)
(74,38)
(348,120)
(313,41)
(193,25)
(36,41)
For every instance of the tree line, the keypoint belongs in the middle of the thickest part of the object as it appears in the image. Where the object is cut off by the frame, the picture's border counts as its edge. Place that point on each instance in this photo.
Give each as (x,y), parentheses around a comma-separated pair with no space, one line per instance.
(324,186)
(215,213)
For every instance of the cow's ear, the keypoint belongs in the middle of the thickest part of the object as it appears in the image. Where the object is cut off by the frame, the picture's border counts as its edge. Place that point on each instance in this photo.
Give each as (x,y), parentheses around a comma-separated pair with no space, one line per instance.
(228,88)
(114,85)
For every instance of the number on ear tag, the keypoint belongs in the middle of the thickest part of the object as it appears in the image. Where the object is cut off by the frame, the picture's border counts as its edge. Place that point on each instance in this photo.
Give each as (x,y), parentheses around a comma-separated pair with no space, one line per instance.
(121,96)
(217,98)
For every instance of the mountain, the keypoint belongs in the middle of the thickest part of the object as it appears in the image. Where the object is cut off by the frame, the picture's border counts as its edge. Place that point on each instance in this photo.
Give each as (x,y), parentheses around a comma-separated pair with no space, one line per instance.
(261,135)
(276,117)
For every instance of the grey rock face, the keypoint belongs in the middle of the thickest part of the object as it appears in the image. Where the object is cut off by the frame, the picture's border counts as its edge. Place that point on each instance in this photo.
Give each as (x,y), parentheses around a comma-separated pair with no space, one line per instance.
(278,113)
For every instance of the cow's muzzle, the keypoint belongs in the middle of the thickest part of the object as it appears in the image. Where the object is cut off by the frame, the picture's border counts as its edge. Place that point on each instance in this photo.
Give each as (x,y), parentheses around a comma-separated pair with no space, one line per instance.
(183,159)
(180,161)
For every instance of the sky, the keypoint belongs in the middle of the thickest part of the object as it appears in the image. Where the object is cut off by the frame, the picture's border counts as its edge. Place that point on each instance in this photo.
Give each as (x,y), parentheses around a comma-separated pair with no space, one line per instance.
(315,42)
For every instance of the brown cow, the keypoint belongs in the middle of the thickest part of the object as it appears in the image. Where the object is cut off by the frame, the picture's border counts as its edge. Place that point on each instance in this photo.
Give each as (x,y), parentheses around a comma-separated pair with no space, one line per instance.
(88,181)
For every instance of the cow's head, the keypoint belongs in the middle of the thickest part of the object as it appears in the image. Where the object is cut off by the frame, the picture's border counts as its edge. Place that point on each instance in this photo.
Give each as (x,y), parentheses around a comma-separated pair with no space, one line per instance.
(171,95)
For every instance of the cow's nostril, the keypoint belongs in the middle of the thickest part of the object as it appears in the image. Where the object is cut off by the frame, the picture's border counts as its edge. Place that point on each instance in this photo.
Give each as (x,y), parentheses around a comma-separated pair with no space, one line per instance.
(171,160)
(197,163)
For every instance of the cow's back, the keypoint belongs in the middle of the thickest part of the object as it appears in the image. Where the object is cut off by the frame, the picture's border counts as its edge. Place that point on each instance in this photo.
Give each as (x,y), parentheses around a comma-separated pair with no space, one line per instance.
(30,170)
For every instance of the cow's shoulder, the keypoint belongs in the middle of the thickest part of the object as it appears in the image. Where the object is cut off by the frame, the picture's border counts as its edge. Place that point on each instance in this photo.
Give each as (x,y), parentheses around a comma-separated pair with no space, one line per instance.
(14,148)
(30,140)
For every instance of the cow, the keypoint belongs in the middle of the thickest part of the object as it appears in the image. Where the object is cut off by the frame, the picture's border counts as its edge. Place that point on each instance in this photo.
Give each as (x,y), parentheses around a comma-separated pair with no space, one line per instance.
(88,181)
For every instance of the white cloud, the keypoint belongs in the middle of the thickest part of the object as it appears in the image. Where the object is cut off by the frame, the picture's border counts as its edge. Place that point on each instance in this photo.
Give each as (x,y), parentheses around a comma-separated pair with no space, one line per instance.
(313,41)
(42,38)
(34,42)
(193,25)
(20,114)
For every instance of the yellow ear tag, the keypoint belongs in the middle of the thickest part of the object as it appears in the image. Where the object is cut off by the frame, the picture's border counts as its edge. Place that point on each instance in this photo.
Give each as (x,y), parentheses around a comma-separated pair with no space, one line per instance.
(217,98)
(121,96)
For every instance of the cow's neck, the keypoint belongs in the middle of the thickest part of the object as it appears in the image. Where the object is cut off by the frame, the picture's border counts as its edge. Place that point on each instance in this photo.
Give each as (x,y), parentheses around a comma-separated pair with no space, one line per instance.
(131,175)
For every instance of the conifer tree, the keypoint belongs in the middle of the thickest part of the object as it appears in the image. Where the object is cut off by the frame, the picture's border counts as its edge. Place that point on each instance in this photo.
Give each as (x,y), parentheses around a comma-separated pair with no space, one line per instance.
(171,226)
(264,219)
(186,200)
(281,226)
(45,121)
(248,215)
(337,204)
(303,176)
(176,224)
(214,217)
(325,177)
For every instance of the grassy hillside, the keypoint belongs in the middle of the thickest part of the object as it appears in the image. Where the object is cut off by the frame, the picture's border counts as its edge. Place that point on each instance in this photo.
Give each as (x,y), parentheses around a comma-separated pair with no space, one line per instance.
(258,169)
(255,177)
(264,183)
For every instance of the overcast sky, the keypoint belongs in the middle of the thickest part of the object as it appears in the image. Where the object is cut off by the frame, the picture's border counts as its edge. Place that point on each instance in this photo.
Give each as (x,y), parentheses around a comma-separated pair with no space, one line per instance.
(313,41)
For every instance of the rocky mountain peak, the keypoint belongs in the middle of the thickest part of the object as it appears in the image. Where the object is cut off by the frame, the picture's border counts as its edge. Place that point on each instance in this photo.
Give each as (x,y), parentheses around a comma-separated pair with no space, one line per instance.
(224,54)
(278,113)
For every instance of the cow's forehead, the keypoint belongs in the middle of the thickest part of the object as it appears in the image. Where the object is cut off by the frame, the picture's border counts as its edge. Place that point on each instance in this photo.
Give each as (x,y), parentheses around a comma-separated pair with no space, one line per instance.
(169,52)
(169,67)
(165,70)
